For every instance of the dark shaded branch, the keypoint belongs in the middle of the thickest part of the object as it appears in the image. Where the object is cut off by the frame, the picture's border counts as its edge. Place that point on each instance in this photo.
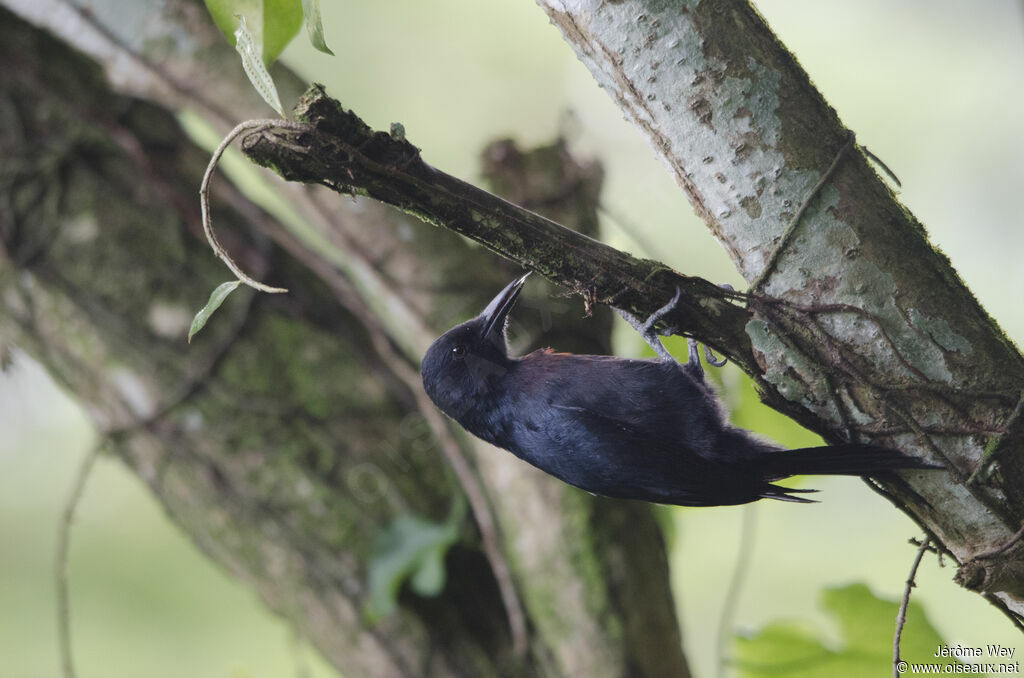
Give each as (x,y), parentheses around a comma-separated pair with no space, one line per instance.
(340,151)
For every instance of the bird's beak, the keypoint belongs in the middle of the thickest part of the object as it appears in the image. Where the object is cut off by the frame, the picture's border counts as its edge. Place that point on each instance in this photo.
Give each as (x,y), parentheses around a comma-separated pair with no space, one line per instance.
(496,312)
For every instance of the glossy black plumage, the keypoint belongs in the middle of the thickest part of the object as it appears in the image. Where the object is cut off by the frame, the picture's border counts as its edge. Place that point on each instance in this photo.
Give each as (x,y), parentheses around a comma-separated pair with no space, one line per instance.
(633,429)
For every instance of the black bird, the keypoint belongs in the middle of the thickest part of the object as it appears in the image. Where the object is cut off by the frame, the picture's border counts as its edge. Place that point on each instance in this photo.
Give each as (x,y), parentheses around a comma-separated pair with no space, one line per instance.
(632,429)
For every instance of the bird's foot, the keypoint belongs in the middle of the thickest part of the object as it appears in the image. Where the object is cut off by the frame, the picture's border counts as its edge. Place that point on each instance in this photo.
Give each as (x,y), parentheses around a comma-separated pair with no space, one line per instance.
(712,359)
(651,336)
(694,361)
(646,327)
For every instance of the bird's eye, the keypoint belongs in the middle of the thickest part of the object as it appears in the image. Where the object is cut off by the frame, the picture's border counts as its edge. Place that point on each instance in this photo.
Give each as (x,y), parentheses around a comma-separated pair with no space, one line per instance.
(458,351)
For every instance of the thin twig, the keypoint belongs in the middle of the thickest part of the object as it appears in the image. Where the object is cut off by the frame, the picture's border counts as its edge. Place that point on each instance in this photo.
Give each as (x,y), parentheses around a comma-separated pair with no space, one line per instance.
(61,557)
(885,168)
(739,575)
(78,487)
(204,195)
(350,299)
(795,221)
(188,91)
(901,616)
(478,503)
(1014,432)
(999,550)
(849,367)
(484,520)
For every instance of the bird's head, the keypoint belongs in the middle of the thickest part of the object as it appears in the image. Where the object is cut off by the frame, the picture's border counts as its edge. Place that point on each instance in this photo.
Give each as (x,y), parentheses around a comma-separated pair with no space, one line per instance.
(464,360)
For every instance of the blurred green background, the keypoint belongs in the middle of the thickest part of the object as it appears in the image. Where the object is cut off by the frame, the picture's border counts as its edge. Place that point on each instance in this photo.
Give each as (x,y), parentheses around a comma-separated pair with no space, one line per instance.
(931,86)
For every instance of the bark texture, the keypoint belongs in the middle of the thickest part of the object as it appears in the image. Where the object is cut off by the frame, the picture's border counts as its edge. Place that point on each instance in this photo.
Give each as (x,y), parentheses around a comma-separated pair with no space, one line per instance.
(868,328)
(283,440)
(337,149)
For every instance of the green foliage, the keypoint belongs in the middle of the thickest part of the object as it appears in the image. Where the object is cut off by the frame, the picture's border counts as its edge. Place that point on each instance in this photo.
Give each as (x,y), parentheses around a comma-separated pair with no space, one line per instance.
(282,20)
(217,298)
(273,23)
(261,29)
(866,623)
(314,26)
(248,48)
(411,549)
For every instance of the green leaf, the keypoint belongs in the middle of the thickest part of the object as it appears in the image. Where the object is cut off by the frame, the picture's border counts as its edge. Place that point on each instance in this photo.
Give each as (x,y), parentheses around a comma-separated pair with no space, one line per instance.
(866,622)
(225,13)
(314,26)
(428,580)
(282,21)
(259,76)
(273,23)
(217,298)
(792,650)
(410,549)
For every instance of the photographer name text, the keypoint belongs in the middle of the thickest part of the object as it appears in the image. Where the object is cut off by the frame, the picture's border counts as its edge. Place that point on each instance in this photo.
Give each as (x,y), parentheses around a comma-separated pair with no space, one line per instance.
(965,652)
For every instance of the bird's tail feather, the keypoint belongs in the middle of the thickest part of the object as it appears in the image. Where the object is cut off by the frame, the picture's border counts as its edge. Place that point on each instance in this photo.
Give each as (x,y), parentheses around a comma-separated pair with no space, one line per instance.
(851,459)
(785,494)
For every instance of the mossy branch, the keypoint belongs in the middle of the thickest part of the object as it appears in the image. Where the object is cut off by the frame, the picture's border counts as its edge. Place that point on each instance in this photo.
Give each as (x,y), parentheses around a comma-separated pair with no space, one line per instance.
(340,151)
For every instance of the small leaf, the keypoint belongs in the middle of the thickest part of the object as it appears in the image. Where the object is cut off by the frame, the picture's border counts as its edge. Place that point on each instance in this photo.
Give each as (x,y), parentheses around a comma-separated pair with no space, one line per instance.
(259,76)
(224,13)
(282,21)
(273,23)
(217,298)
(410,549)
(866,621)
(428,580)
(792,650)
(866,625)
(314,26)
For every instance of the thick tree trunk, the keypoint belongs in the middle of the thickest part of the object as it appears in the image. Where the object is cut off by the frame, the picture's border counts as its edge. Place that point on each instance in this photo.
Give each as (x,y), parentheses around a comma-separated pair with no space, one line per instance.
(286,438)
(869,330)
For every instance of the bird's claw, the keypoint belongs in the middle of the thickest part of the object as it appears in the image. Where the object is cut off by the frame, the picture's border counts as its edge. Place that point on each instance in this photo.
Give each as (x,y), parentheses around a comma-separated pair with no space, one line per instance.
(712,358)
(646,327)
(708,353)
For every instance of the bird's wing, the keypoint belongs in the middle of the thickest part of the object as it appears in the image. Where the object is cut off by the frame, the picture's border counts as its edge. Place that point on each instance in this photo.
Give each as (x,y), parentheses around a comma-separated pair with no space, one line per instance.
(613,456)
(653,400)
(626,428)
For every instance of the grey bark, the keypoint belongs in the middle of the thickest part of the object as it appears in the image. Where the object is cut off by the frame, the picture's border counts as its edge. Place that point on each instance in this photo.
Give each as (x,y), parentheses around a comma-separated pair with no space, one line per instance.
(282,441)
(869,329)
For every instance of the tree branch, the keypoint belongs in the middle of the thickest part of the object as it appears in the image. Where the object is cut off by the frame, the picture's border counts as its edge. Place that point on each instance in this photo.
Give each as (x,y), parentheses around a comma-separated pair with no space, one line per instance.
(340,151)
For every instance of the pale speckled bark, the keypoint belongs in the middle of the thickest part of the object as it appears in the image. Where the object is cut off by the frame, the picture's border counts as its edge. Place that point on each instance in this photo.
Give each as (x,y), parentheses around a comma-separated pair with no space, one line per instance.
(290,444)
(879,337)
